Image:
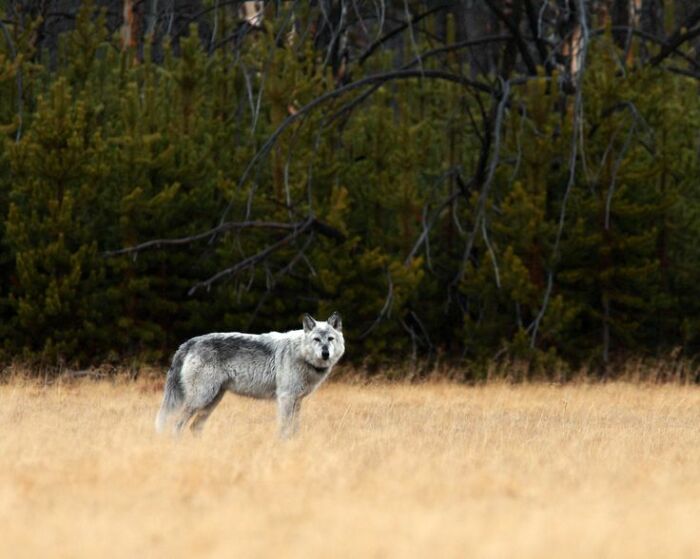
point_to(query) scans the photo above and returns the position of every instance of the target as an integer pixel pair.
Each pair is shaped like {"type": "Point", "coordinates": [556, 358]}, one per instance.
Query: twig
{"type": "Point", "coordinates": [648, 37]}
{"type": "Point", "coordinates": [411, 36]}
{"type": "Point", "coordinates": [20, 87]}
{"type": "Point", "coordinates": [158, 243]}
{"type": "Point", "coordinates": [322, 228]}
{"type": "Point", "coordinates": [577, 131]}
{"type": "Point", "coordinates": [414, 346]}
{"type": "Point", "coordinates": [517, 37]}
{"type": "Point", "coordinates": [428, 341]}
{"type": "Point", "coordinates": [382, 78]}
{"type": "Point", "coordinates": [385, 309]}
{"type": "Point", "coordinates": [536, 30]}
{"type": "Point", "coordinates": [354, 103]}
{"type": "Point", "coordinates": [493, 255]}
{"type": "Point", "coordinates": [252, 260]}
{"type": "Point", "coordinates": [384, 38]}
{"type": "Point", "coordinates": [683, 34]}
{"type": "Point", "coordinates": [481, 203]}
{"type": "Point", "coordinates": [616, 168]}
{"type": "Point", "coordinates": [427, 228]}
{"type": "Point", "coordinates": [275, 278]}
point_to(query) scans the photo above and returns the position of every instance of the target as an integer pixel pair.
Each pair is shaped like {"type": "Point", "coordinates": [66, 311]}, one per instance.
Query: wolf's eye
{"type": "Point", "coordinates": [317, 339]}
{"type": "Point", "coordinates": [331, 338]}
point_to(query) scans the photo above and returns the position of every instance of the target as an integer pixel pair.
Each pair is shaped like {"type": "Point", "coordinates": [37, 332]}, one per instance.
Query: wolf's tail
{"type": "Point", "coordinates": [173, 395]}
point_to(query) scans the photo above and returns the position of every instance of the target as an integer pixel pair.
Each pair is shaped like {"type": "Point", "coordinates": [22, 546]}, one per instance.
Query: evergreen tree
{"type": "Point", "coordinates": [52, 225]}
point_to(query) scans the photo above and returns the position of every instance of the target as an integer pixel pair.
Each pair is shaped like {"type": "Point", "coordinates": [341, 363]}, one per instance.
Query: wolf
{"type": "Point", "coordinates": [286, 366]}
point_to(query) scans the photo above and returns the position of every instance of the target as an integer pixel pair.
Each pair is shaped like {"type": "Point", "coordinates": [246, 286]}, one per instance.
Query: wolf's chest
{"type": "Point", "coordinates": [300, 381]}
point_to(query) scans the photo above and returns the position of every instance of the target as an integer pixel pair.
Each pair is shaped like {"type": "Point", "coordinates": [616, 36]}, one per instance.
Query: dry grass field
{"type": "Point", "coordinates": [434, 470]}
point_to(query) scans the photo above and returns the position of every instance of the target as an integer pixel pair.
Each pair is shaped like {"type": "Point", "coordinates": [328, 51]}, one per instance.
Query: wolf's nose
{"type": "Point", "coordinates": [325, 354]}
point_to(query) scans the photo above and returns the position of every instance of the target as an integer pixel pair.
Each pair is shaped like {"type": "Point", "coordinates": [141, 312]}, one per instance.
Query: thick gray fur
{"type": "Point", "coordinates": [284, 366]}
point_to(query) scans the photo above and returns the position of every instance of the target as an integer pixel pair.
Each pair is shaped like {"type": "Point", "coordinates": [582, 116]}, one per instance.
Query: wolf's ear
{"type": "Point", "coordinates": [309, 323]}
{"type": "Point", "coordinates": [335, 321]}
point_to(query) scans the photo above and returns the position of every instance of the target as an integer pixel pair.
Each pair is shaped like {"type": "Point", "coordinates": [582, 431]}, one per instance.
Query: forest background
{"type": "Point", "coordinates": [467, 182]}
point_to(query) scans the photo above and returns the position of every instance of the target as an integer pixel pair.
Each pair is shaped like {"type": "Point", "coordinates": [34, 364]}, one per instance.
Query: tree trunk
{"type": "Point", "coordinates": [130, 26]}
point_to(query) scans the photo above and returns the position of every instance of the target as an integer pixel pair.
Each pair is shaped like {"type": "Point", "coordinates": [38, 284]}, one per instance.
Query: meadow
{"type": "Point", "coordinates": [377, 470]}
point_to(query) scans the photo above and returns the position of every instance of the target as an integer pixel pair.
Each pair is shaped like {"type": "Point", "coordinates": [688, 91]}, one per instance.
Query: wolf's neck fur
{"type": "Point", "coordinates": [319, 370]}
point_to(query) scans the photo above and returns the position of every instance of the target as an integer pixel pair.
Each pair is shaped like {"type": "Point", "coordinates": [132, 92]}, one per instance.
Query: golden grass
{"type": "Point", "coordinates": [377, 471]}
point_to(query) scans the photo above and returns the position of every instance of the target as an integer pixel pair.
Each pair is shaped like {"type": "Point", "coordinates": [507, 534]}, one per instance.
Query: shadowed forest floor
{"type": "Point", "coordinates": [434, 470]}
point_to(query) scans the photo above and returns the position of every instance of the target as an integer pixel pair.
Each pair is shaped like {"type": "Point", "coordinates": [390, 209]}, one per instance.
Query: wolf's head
{"type": "Point", "coordinates": [323, 344]}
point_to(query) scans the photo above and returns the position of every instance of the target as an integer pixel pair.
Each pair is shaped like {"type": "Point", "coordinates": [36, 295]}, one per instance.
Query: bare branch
{"type": "Point", "coordinates": [300, 255]}
{"type": "Point", "coordinates": [683, 34]}
{"type": "Point", "coordinates": [496, 273]}
{"type": "Point", "coordinates": [20, 86]}
{"type": "Point", "coordinates": [650, 38]}
{"type": "Point", "coordinates": [322, 228]}
{"type": "Point", "coordinates": [369, 80]}
{"type": "Point", "coordinates": [354, 103]}
{"type": "Point", "coordinates": [423, 237]}
{"type": "Point", "coordinates": [414, 346]}
{"type": "Point", "coordinates": [428, 341]}
{"type": "Point", "coordinates": [517, 37]}
{"type": "Point", "coordinates": [532, 19]}
{"type": "Point", "coordinates": [385, 309]}
{"type": "Point", "coordinates": [683, 72]}
{"type": "Point", "coordinates": [412, 36]}
{"type": "Point", "coordinates": [487, 180]}
{"type": "Point", "coordinates": [618, 163]}
{"type": "Point", "coordinates": [459, 45]}
{"type": "Point", "coordinates": [158, 243]}
{"type": "Point", "coordinates": [576, 135]}
{"type": "Point", "coordinates": [384, 38]}
{"type": "Point", "coordinates": [252, 260]}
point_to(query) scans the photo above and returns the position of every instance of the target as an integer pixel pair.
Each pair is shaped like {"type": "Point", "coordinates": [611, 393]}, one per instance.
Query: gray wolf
{"type": "Point", "coordinates": [285, 366]}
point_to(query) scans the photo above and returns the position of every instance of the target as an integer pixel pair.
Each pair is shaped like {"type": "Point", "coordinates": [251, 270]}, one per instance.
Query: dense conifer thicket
{"type": "Point", "coordinates": [541, 207]}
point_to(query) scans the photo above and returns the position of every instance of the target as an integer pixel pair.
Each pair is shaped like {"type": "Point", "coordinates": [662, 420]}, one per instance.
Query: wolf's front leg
{"type": "Point", "coordinates": [288, 407]}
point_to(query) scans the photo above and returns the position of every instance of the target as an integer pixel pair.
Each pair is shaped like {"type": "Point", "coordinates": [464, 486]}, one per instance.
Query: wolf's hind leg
{"type": "Point", "coordinates": [185, 415]}
{"type": "Point", "coordinates": [203, 413]}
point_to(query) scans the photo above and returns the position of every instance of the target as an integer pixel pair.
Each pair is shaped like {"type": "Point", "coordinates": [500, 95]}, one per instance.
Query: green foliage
{"type": "Point", "coordinates": [104, 150]}
{"type": "Point", "coordinates": [57, 168]}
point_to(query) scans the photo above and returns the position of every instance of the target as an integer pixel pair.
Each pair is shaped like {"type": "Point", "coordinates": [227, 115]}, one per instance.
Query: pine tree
{"type": "Point", "coordinates": [52, 227]}
{"type": "Point", "coordinates": [611, 260]}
